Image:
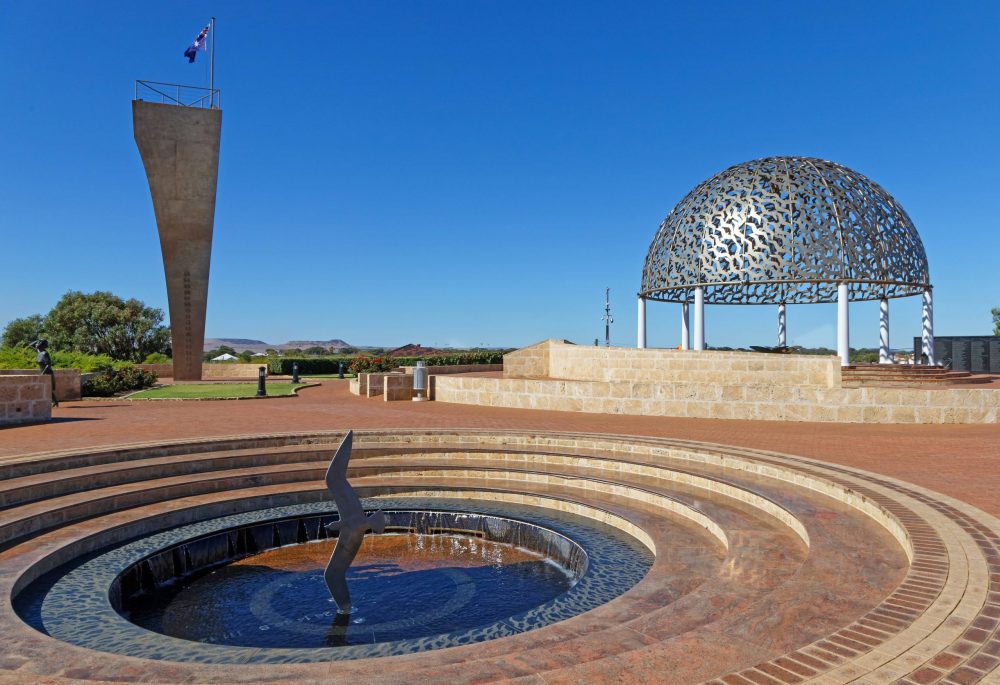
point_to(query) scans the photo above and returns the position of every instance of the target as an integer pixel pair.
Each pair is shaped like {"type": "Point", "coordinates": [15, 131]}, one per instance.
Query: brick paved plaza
{"type": "Point", "coordinates": [959, 460]}
{"type": "Point", "coordinates": [825, 573]}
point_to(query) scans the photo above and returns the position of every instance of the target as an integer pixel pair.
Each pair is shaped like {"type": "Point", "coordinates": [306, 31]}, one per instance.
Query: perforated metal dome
{"type": "Point", "coordinates": [785, 229]}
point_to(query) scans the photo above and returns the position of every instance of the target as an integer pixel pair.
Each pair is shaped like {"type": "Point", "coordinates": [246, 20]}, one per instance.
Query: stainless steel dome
{"type": "Point", "coordinates": [785, 229]}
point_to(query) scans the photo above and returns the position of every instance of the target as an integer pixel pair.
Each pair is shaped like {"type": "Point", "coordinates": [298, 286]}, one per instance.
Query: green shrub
{"type": "Point", "coordinates": [455, 358]}
{"type": "Point", "coordinates": [363, 364]}
{"type": "Point", "coordinates": [156, 358]}
{"type": "Point", "coordinates": [85, 362]}
{"type": "Point", "coordinates": [327, 365]}
{"type": "Point", "coordinates": [24, 358]}
{"type": "Point", "coordinates": [17, 358]}
{"type": "Point", "coordinates": [113, 381]}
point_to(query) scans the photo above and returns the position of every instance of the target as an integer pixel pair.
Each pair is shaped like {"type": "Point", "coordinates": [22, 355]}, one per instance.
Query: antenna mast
{"type": "Point", "coordinates": [607, 318]}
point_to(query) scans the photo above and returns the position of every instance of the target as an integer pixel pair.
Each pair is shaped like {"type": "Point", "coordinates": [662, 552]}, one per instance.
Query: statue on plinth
{"type": "Point", "coordinates": [44, 361]}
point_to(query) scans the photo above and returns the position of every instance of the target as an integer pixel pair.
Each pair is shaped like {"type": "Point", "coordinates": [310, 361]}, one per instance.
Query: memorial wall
{"type": "Point", "coordinates": [975, 353]}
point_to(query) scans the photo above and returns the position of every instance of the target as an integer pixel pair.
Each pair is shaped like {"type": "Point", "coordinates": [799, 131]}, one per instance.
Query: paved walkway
{"type": "Point", "coordinates": [962, 461]}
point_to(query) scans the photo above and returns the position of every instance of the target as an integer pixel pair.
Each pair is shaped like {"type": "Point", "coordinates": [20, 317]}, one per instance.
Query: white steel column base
{"type": "Point", "coordinates": [782, 334]}
{"type": "Point", "coordinates": [641, 332]}
{"type": "Point", "coordinates": [699, 318]}
{"type": "Point", "coordinates": [927, 328]}
{"type": "Point", "coordinates": [883, 332]}
{"type": "Point", "coordinates": [843, 326]}
{"type": "Point", "coordinates": [685, 326]}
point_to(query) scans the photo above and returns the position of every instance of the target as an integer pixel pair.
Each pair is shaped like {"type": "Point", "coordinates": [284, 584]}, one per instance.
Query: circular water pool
{"type": "Point", "coordinates": [405, 585]}
{"type": "Point", "coordinates": [248, 588]}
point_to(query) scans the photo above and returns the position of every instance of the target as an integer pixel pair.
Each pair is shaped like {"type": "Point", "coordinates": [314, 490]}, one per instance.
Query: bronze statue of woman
{"type": "Point", "coordinates": [41, 348]}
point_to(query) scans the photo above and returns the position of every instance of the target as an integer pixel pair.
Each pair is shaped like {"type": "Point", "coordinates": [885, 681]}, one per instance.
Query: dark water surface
{"type": "Point", "coordinates": [403, 586]}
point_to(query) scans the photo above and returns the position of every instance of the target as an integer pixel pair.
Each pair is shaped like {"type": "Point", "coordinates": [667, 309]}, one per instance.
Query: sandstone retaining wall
{"type": "Point", "coordinates": [25, 399]}
{"type": "Point", "coordinates": [231, 370]}
{"type": "Point", "coordinates": [209, 370]}
{"type": "Point", "coordinates": [67, 381]}
{"type": "Point", "coordinates": [717, 401]}
{"type": "Point", "coordinates": [561, 360]}
{"type": "Point", "coordinates": [455, 368]}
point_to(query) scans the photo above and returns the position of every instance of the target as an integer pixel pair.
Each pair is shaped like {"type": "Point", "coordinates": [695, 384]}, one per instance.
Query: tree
{"type": "Point", "coordinates": [314, 350]}
{"type": "Point", "coordinates": [20, 332]}
{"type": "Point", "coordinates": [103, 323]}
{"type": "Point", "coordinates": [996, 321]}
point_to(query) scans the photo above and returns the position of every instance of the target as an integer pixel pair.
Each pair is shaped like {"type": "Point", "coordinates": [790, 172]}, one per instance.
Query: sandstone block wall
{"type": "Point", "coordinates": [456, 368]}
{"type": "Point", "coordinates": [161, 370]}
{"type": "Point", "coordinates": [210, 371]}
{"type": "Point", "coordinates": [530, 362]}
{"type": "Point", "coordinates": [721, 385]}
{"type": "Point", "coordinates": [397, 387]}
{"type": "Point", "coordinates": [67, 381]}
{"type": "Point", "coordinates": [562, 360]}
{"type": "Point", "coordinates": [25, 399]}
{"type": "Point", "coordinates": [372, 384]}
{"type": "Point", "coordinates": [712, 401]}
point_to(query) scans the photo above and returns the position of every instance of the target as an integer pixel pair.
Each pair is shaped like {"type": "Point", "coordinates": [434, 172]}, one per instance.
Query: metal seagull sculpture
{"type": "Point", "coordinates": [352, 526]}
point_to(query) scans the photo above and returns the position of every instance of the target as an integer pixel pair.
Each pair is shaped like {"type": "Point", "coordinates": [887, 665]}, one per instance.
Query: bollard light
{"type": "Point", "coordinates": [295, 372]}
{"type": "Point", "coordinates": [420, 383]}
{"type": "Point", "coordinates": [261, 374]}
{"type": "Point", "coordinates": [340, 369]}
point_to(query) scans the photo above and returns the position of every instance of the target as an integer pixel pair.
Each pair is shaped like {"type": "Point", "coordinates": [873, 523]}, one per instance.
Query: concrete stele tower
{"type": "Point", "coordinates": [180, 151]}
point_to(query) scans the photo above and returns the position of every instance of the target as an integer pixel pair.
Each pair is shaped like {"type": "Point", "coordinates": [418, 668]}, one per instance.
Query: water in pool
{"type": "Point", "coordinates": [403, 586]}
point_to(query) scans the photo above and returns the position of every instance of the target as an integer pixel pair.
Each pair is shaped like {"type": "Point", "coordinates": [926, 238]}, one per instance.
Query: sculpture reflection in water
{"type": "Point", "coordinates": [351, 527]}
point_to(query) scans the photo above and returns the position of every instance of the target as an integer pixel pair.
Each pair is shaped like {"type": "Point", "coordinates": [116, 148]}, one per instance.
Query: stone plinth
{"type": "Point", "coordinates": [397, 388]}
{"type": "Point", "coordinates": [180, 151]}
{"type": "Point", "coordinates": [25, 399]}
{"type": "Point", "coordinates": [67, 381]}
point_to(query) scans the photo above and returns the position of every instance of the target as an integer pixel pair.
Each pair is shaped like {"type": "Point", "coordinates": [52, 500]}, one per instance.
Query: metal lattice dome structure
{"type": "Point", "coordinates": [785, 230]}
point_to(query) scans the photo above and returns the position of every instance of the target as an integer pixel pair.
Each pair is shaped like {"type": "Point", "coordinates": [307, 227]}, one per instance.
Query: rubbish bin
{"type": "Point", "coordinates": [420, 383]}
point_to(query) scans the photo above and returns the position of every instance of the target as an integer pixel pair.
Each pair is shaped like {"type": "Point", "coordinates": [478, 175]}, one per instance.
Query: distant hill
{"type": "Point", "coordinates": [303, 344]}
{"type": "Point", "coordinates": [241, 344]}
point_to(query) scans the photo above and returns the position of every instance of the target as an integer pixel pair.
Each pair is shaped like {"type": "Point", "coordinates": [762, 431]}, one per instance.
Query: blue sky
{"type": "Point", "coordinates": [464, 173]}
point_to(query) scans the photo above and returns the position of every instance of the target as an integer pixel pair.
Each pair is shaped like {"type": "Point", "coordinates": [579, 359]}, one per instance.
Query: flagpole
{"type": "Point", "coordinates": [211, 67]}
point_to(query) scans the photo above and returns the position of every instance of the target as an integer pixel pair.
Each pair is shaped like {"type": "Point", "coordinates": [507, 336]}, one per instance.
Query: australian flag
{"type": "Point", "coordinates": [198, 44]}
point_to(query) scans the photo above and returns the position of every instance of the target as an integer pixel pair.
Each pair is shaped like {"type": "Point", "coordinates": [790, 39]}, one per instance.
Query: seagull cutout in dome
{"type": "Point", "coordinates": [351, 527]}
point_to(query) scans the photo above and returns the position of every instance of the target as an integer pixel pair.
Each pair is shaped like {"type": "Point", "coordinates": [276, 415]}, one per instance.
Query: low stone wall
{"type": "Point", "coordinates": [397, 387]}
{"type": "Point", "coordinates": [455, 368]}
{"type": "Point", "coordinates": [25, 399]}
{"type": "Point", "coordinates": [561, 360]}
{"type": "Point", "coordinates": [372, 384]}
{"type": "Point", "coordinates": [231, 370]}
{"type": "Point", "coordinates": [208, 370]}
{"type": "Point", "coordinates": [530, 362]}
{"type": "Point", "coordinates": [161, 370]}
{"type": "Point", "coordinates": [763, 401]}
{"type": "Point", "coordinates": [67, 381]}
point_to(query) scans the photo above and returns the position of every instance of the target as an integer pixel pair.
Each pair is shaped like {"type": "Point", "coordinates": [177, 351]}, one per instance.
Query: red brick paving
{"type": "Point", "coordinates": [958, 460]}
